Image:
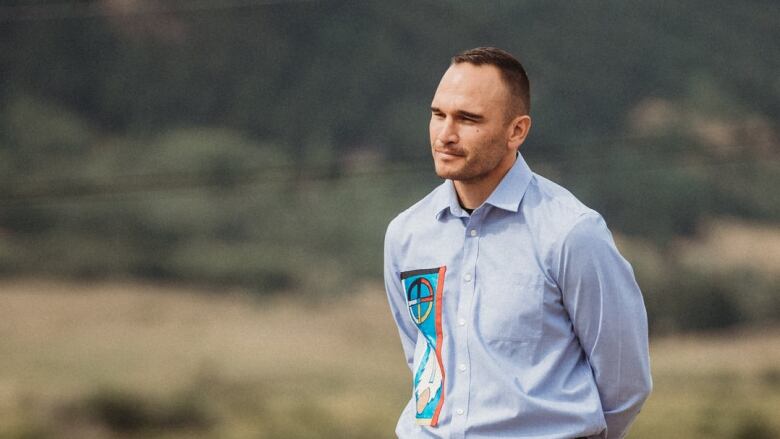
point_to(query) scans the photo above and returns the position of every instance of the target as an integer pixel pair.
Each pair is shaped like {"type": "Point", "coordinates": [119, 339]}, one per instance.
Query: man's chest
{"type": "Point", "coordinates": [494, 278]}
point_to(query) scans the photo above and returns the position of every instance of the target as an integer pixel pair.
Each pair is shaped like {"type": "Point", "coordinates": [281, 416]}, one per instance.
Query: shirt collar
{"type": "Point", "coordinates": [507, 195]}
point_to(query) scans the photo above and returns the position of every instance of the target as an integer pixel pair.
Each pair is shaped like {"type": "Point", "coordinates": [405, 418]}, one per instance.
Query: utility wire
{"type": "Point", "coordinates": [24, 191]}
{"type": "Point", "coordinates": [60, 190]}
{"type": "Point", "coordinates": [634, 147]}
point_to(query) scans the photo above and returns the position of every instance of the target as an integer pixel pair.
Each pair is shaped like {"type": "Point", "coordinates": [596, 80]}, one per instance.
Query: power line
{"type": "Point", "coordinates": [94, 9]}
{"type": "Point", "coordinates": [41, 191]}
{"type": "Point", "coordinates": [64, 190]}
{"type": "Point", "coordinates": [58, 189]}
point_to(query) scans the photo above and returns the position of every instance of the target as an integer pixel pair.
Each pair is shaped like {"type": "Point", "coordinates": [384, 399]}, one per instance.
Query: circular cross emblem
{"type": "Point", "coordinates": [420, 299]}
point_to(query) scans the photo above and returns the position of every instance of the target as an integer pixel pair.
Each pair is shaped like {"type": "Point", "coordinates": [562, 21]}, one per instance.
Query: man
{"type": "Point", "coordinates": [517, 314]}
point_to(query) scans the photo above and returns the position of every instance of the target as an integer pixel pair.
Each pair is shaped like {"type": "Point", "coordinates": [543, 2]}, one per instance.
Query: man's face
{"type": "Point", "coordinates": [469, 126]}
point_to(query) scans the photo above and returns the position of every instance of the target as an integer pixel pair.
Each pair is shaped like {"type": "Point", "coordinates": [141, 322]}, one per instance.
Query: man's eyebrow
{"type": "Point", "coordinates": [461, 113]}
{"type": "Point", "coordinates": [470, 115]}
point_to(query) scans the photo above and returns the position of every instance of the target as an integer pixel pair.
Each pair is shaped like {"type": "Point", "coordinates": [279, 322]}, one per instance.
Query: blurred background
{"type": "Point", "coordinates": [193, 197]}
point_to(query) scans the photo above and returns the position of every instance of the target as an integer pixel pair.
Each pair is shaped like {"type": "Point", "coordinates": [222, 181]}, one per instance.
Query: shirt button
{"type": "Point", "coordinates": [462, 322]}
{"type": "Point", "coordinates": [459, 411]}
{"type": "Point", "coordinates": [467, 278]}
{"type": "Point", "coordinates": [473, 232]}
{"type": "Point", "coordinates": [462, 368]}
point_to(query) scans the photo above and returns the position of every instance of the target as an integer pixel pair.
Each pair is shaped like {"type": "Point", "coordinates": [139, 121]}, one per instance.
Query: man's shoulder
{"type": "Point", "coordinates": [553, 207]}
{"type": "Point", "coordinates": [425, 208]}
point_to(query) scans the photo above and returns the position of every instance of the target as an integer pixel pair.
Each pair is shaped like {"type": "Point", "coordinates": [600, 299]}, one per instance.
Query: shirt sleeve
{"type": "Point", "coordinates": [396, 297]}
{"type": "Point", "coordinates": [609, 318]}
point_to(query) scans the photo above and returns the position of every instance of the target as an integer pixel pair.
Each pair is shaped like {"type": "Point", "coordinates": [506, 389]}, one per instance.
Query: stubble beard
{"type": "Point", "coordinates": [475, 166]}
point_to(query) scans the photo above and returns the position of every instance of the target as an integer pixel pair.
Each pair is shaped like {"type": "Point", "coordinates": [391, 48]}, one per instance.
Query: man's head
{"type": "Point", "coordinates": [479, 115]}
{"type": "Point", "coordinates": [512, 72]}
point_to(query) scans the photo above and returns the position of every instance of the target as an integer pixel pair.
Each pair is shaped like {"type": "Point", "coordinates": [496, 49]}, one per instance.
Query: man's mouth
{"type": "Point", "coordinates": [448, 152]}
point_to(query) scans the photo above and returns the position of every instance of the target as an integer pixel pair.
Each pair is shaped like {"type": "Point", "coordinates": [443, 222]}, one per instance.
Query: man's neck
{"type": "Point", "coordinates": [472, 193]}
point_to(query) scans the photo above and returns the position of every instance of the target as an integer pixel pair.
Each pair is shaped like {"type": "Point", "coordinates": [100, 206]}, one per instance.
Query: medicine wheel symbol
{"type": "Point", "coordinates": [420, 298]}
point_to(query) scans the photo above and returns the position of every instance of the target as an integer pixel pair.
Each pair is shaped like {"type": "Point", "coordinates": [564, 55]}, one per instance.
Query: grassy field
{"type": "Point", "coordinates": [142, 361]}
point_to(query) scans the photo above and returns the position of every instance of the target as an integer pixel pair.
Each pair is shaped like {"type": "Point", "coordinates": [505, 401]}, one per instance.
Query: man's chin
{"type": "Point", "coordinates": [443, 171]}
{"type": "Point", "coordinates": [448, 173]}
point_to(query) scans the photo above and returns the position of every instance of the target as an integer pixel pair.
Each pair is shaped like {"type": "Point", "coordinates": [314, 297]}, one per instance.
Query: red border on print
{"type": "Point", "coordinates": [439, 341]}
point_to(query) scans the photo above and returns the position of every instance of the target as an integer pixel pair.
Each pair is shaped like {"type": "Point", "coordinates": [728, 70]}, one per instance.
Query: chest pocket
{"type": "Point", "coordinates": [510, 307]}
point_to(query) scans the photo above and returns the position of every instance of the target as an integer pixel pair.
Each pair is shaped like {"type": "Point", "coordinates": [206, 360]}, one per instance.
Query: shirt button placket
{"type": "Point", "coordinates": [462, 380]}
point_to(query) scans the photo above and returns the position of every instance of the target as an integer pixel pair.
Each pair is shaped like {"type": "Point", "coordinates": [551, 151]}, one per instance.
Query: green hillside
{"type": "Point", "coordinates": [265, 145]}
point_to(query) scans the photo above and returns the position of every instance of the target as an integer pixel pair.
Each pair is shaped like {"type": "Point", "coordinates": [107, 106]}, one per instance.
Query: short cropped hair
{"type": "Point", "coordinates": [512, 72]}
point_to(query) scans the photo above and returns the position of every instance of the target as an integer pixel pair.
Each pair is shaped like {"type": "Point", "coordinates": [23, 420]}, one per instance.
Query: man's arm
{"type": "Point", "coordinates": [609, 318]}
{"type": "Point", "coordinates": [396, 296]}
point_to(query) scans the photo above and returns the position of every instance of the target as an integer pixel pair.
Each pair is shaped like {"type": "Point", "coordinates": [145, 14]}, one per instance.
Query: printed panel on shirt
{"type": "Point", "coordinates": [424, 290]}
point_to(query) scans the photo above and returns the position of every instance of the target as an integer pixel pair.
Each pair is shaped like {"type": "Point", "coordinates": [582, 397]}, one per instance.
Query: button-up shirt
{"type": "Point", "coordinates": [520, 319]}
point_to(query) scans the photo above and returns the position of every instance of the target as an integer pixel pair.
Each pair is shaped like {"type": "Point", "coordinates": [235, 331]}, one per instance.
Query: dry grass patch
{"type": "Point", "coordinates": [728, 244]}
{"type": "Point", "coordinates": [113, 359]}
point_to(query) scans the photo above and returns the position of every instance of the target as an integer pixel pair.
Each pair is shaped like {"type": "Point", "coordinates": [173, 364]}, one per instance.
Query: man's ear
{"type": "Point", "coordinates": [519, 128]}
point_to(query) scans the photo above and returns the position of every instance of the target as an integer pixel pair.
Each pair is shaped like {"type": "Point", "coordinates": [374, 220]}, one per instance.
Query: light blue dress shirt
{"type": "Point", "coordinates": [521, 320]}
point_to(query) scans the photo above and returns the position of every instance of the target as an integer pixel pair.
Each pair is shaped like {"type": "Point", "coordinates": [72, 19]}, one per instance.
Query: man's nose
{"type": "Point", "coordinates": [447, 133]}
